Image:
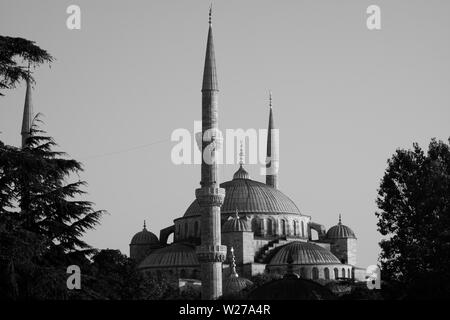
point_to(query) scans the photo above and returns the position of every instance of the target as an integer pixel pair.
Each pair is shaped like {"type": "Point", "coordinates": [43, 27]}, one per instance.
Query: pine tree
{"type": "Point", "coordinates": [41, 211]}
{"type": "Point", "coordinates": [16, 56]}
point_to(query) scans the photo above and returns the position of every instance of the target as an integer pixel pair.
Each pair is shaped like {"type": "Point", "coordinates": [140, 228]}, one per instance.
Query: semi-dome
{"type": "Point", "coordinates": [174, 255]}
{"type": "Point", "coordinates": [250, 196]}
{"type": "Point", "coordinates": [299, 252]}
{"type": "Point", "coordinates": [144, 237]}
{"type": "Point", "coordinates": [340, 231]}
{"type": "Point", "coordinates": [236, 224]}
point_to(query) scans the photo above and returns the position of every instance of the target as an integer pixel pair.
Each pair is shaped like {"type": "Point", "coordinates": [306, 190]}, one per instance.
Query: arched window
{"type": "Point", "coordinates": [196, 229]}
{"type": "Point", "coordinates": [257, 226]}
{"type": "Point", "coordinates": [343, 273]}
{"type": "Point", "coordinates": [315, 273]}
{"type": "Point", "coordinates": [270, 227]}
{"type": "Point", "coordinates": [327, 273]}
{"type": "Point", "coordinates": [348, 273]}
{"type": "Point", "coordinates": [185, 230]}
{"type": "Point", "coordinates": [336, 273]}
{"type": "Point", "coordinates": [283, 227]}
{"type": "Point", "coordinates": [295, 227]}
{"type": "Point", "coordinates": [183, 274]}
{"type": "Point", "coordinates": [303, 229]}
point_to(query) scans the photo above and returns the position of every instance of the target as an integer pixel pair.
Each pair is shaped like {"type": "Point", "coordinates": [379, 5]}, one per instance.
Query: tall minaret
{"type": "Point", "coordinates": [27, 120]}
{"type": "Point", "coordinates": [272, 162]}
{"type": "Point", "coordinates": [210, 196]}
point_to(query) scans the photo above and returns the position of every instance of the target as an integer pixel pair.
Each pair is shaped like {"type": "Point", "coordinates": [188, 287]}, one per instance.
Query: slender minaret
{"type": "Point", "coordinates": [210, 196]}
{"type": "Point", "coordinates": [27, 120]}
{"type": "Point", "coordinates": [272, 162]}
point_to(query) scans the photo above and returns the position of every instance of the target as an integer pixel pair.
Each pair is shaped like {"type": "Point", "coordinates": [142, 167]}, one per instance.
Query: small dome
{"type": "Point", "coordinates": [340, 231]}
{"type": "Point", "coordinates": [174, 255]}
{"type": "Point", "coordinates": [144, 237]}
{"type": "Point", "coordinates": [241, 173]}
{"type": "Point", "coordinates": [235, 284]}
{"type": "Point", "coordinates": [236, 224]}
{"type": "Point", "coordinates": [299, 252]}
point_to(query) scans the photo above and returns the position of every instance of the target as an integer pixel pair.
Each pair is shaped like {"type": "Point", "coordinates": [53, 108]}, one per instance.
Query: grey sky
{"type": "Point", "coordinates": [344, 97]}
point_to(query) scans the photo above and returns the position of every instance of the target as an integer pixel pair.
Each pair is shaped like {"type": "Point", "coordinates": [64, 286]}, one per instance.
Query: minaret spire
{"type": "Point", "coordinates": [270, 99]}
{"type": "Point", "coordinates": [209, 72]}
{"type": "Point", "coordinates": [27, 120]}
{"type": "Point", "coordinates": [272, 162]}
{"type": "Point", "coordinates": [210, 14]}
{"type": "Point", "coordinates": [211, 253]}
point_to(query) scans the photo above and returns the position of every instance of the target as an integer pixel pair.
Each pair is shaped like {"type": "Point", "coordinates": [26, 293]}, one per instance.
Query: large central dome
{"type": "Point", "coordinates": [249, 196]}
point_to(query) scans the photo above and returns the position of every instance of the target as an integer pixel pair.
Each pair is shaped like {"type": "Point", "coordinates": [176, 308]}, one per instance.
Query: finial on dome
{"type": "Point", "coordinates": [145, 227]}
{"type": "Point", "coordinates": [237, 213]}
{"type": "Point", "coordinates": [210, 13]}
{"type": "Point", "coordinates": [241, 155]}
{"type": "Point", "coordinates": [233, 264]}
{"type": "Point", "coordinates": [340, 220]}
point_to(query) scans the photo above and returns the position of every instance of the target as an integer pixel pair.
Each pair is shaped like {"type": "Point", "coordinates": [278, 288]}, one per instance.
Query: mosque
{"type": "Point", "coordinates": [243, 227]}
{"type": "Point", "coordinates": [239, 228]}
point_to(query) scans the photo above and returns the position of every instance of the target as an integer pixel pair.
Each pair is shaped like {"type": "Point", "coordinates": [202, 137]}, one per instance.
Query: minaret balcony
{"type": "Point", "coordinates": [210, 196]}
{"type": "Point", "coordinates": [217, 253]}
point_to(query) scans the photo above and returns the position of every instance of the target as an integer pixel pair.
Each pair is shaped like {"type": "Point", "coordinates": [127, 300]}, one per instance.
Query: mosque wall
{"type": "Point", "coordinates": [316, 272]}
{"type": "Point", "coordinates": [252, 269]}
{"type": "Point", "coordinates": [242, 243]}
{"type": "Point", "coordinates": [344, 250]}
{"type": "Point", "coordinates": [261, 224]}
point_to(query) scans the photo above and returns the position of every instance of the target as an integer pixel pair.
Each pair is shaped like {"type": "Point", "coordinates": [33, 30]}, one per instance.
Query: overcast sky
{"type": "Point", "coordinates": [344, 98]}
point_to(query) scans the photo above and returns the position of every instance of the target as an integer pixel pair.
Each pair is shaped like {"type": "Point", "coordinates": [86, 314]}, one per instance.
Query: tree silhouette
{"type": "Point", "coordinates": [16, 56]}
{"type": "Point", "coordinates": [42, 219]}
{"type": "Point", "coordinates": [414, 203]}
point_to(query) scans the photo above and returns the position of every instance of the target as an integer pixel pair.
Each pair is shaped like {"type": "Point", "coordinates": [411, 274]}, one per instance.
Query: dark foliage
{"type": "Point", "coordinates": [16, 55]}
{"type": "Point", "coordinates": [41, 219]}
{"type": "Point", "coordinates": [414, 203]}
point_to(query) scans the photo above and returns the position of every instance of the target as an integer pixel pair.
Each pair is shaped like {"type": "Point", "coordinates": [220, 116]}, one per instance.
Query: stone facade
{"type": "Point", "coordinates": [242, 243]}
{"type": "Point", "coordinates": [316, 272]}
{"type": "Point", "coordinates": [344, 250]}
